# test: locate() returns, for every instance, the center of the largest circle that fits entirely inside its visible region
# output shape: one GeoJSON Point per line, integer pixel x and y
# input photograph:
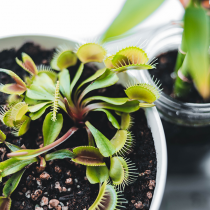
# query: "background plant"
{"type": "Point", "coordinates": [193, 61]}
{"type": "Point", "coordinates": [45, 88]}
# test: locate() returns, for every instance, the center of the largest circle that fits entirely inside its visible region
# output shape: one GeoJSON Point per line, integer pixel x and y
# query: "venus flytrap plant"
{"type": "Point", "coordinates": [57, 90]}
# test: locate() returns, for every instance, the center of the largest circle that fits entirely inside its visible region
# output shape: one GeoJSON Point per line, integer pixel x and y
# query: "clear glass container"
{"type": "Point", "coordinates": [187, 114]}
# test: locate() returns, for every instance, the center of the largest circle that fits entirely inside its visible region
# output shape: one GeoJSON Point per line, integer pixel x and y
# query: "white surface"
{"type": "Point", "coordinates": [75, 19]}
{"type": "Point", "coordinates": [151, 114]}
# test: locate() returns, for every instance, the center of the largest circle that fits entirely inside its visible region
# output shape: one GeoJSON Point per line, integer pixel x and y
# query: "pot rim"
{"type": "Point", "coordinates": [152, 116]}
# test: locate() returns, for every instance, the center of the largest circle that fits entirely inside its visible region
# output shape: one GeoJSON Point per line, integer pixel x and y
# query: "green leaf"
{"type": "Point", "coordinates": [37, 107]}
{"type": "Point", "coordinates": [38, 93]}
{"type": "Point", "coordinates": [77, 76]}
{"type": "Point", "coordinates": [97, 174]}
{"type": "Point", "coordinates": [110, 117]}
{"type": "Point", "coordinates": [38, 114]}
{"type": "Point", "coordinates": [12, 89]}
{"type": "Point", "coordinates": [27, 64]}
{"type": "Point", "coordinates": [105, 146]}
{"type": "Point", "coordinates": [22, 126]}
{"type": "Point", "coordinates": [63, 59]}
{"type": "Point", "coordinates": [12, 183]}
{"type": "Point", "coordinates": [12, 147]}
{"type": "Point", "coordinates": [8, 119]}
{"type": "Point", "coordinates": [91, 52]}
{"type": "Point", "coordinates": [44, 82]}
{"type": "Point", "coordinates": [108, 199]}
{"type": "Point", "coordinates": [88, 155]}
{"type": "Point", "coordinates": [13, 165]}
{"type": "Point", "coordinates": [143, 92]}
{"type": "Point", "coordinates": [46, 70]}
{"type": "Point", "coordinates": [97, 74]}
{"type": "Point", "coordinates": [128, 107]}
{"type": "Point", "coordinates": [117, 172]}
{"type": "Point", "coordinates": [107, 79]}
{"type": "Point", "coordinates": [19, 110]}
{"type": "Point", "coordinates": [119, 140]}
{"type": "Point", "coordinates": [196, 32]}
{"type": "Point", "coordinates": [30, 101]}
{"type": "Point", "coordinates": [2, 137]}
{"type": "Point", "coordinates": [125, 121]}
{"type": "Point", "coordinates": [64, 78]}
{"type": "Point", "coordinates": [115, 101]}
{"type": "Point", "coordinates": [60, 154]}
{"type": "Point", "coordinates": [17, 88]}
{"type": "Point", "coordinates": [5, 203]}
{"type": "Point", "coordinates": [51, 129]}
{"type": "Point", "coordinates": [132, 13]}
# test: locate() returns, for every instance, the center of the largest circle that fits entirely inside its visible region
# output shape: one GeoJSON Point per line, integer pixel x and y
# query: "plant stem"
{"type": "Point", "coordinates": [40, 151]}
{"type": "Point", "coordinates": [182, 87]}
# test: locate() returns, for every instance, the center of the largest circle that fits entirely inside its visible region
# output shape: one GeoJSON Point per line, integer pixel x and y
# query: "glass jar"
{"type": "Point", "coordinates": [172, 110]}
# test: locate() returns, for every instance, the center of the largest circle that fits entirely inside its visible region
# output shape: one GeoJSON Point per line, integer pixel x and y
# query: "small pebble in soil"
{"type": "Point", "coordinates": [151, 184]}
{"type": "Point", "coordinates": [53, 203]}
{"type": "Point", "coordinates": [38, 208]}
{"type": "Point", "coordinates": [58, 169]}
{"type": "Point", "coordinates": [44, 175]}
{"type": "Point", "coordinates": [149, 195]}
{"type": "Point", "coordinates": [28, 194]}
{"type": "Point", "coordinates": [44, 201]}
{"type": "Point", "coordinates": [69, 181]}
{"type": "Point", "coordinates": [36, 194]}
{"type": "Point", "coordinates": [58, 186]}
{"type": "Point", "coordinates": [38, 181]}
{"type": "Point", "coordinates": [68, 173]}
{"type": "Point", "coordinates": [139, 205]}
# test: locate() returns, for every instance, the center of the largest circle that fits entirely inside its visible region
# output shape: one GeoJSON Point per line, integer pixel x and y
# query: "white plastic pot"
{"type": "Point", "coordinates": [152, 116]}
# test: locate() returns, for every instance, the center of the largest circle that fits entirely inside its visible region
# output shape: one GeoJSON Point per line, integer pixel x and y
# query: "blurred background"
{"type": "Point", "coordinates": [188, 181]}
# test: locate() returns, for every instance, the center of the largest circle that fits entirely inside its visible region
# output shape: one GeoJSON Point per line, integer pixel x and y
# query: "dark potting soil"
{"type": "Point", "coordinates": [164, 72]}
{"type": "Point", "coordinates": [63, 180]}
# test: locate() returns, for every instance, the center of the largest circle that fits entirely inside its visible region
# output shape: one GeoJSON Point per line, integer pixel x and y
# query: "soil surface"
{"type": "Point", "coordinates": [63, 184]}
{"type": "Point", "coordinates": [164, 72]}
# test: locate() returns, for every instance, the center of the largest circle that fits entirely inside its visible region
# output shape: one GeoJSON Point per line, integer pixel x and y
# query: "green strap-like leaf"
{"type": "Point", "coordinates": [77, 76]}
{"type": "Point", "coordinates": [75, 80]}
{"type": "Point", "coordinates": [110, 117]}
{"type": "Point", "coordinates": [60, 154]}
{"type": "Point", "coordinates": [128, 107]}
{"type": "Point", "coordinates": [93, 77]}
{"type": "Point", "coordinates": [12, 183]}
{"type": "Point", "coordinates": [105, 146]}
{"type": "Point", "coordinates": [51, 129]}
{"type": "Point", "coordinates": [97, 174]}
{"type": "Point", "coordinates": [107, 79]}
{"type": "Point", "coordinates": [5, 203]}
{"type": "Point", "coordinates": [38, 114]}
{"type": "Point", "coordinates": [64, 78]}
{"type": "Point", "coordinates": [13, 165]}
{"type": "Point", "coordinates": [37, 107]}
{"type": "Point", "coordinates": [132, 13]}
{"type": "Point", "coordinates": [115, 101]}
